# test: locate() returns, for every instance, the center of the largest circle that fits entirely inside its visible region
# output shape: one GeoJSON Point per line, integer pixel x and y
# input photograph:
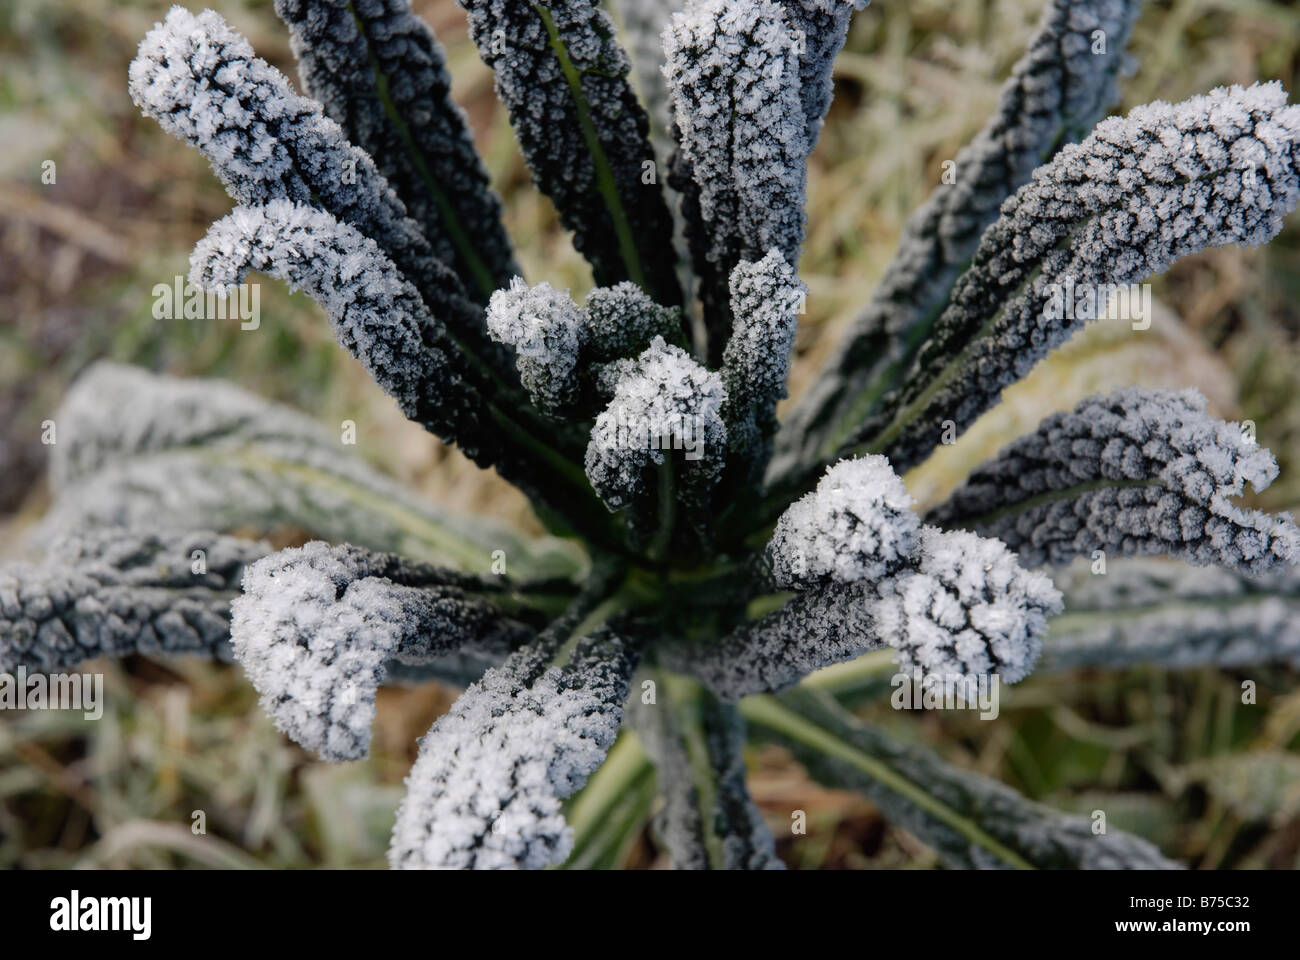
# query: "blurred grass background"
{"type": "Point", "coordinates": [1174, 757]}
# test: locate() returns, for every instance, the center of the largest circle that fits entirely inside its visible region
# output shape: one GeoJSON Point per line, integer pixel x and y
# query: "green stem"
{"type": "Point", "coordinates": [604, 595]}
{"type": "Point", "coordinates": [867, 673]}
{"type": "Point", "coordinates": [610, 811]}
{"type": "Point", "coordinates": [437, 541]}
{"type": "Point", "coordinates": [684, 700]}
{"type": "Point", "coordinates": [663, 537]}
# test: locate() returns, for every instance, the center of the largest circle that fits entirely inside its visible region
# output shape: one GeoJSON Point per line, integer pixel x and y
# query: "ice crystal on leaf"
{"type": "Point", "coordinates": [1139, 472]}
{"type": "Point", "coordinates": [486, 788]}
{"type": "Point", "coordinates": [316, 625]}
{"type": "Point", "coordinates": [663, 402]}
{"type": "Point", "coordinates": [114, 592]}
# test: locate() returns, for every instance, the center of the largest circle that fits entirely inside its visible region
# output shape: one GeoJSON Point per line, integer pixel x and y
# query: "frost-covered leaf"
{"type": "Point", "coordinates": [1057, 91]}
{"type": "Point", "coordinates": [765, 300]}
{"type": "Point", "coordinates": [376, 314]}
{"type": "Point", "coordinates": [1138, 194]}
{"type": "Point", "coordinates": [138, 449]}
{"type": "Point", "coordinates": [622, 321]}
{"type": "Point", "coordinates": [663, 402]}
{"type": "Point", "coordinates": [970, 821]}
{"type": "Point", "coordinates": [709, 820]}
{"type": "Point", "coordinates": [563, 79]}
{"type": "Point", "coordinates": [561, 348]}
{"type": "Point", "coordinates": [547, 330]}
{"type": "Point", "coordinates": [203, 84]}
{"type": "Point", "coordinates": [733, 75]}
{"type": "Point", "coordinates": [380, 73]}
{"type": "Point", "coordinates": [823, 26]}
{"type": "Point", "coordinates": [962, 606]}
{"type": "Point", "coordinates": [643, 23]}
{"type": "Point", "coordinates": [858, 525]}
{"type": "Point", "coordinates": [1138, 472]}
{"type": "Point", "coordinates": [317, 624]}
{"type": "Point", "coordinates": [950, 602]}
{"type": "Point", "coordinates": [114, 592]}
{"type": "Point", "coordinates": [486, 788]}
{"type": "Point", "coordinates": [380, 319]}
{"type": "Point", "coordinates": [1167, 614]}
{"type": "Point", "coordinates": [1103, 357]}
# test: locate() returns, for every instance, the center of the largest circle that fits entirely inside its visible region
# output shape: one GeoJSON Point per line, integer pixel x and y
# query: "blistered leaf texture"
{"type": "Point", "coordinates": [663, 401]}
{"type": "Point", "coordinates": [1138, 194]}
{"type": "Point", "coordinates": [709, 820]}
{"type": "Point", "coordinates": [563, 79]}
{"type": "Point", "coordinates": [1139, 472]}
{"type": "Point", "coordinates": [1165, 613]}
{"type": "Point", "coordinates": [203, 84]}
{"type": "Point", "coordinates": [766, 297]}
{"type": "Point", "coordinates": [316, 625]}
{"type": "Point", "coordinates": [380, 73]}
{"type": "Point", "coordinates": [1064, 83]}
{"type": "Point", "coordinates": [376, 314]}
{"type": "Point", "coordinates": [486, 788]}
{"type": "Point", "coordinates": [547, 330]}
{"type": "Point", "coordinates": [866, 575]}
{"type": "Point", "coordinates": [733, 75]}
{"type": "Point", "coordinates": [141, 450]}
{"type": "Point", "coordinates": [999, 827]}
{"type": "Point", "coordinates": [117, 591]}
{"type": "Point", "coordinates": [858, 525]}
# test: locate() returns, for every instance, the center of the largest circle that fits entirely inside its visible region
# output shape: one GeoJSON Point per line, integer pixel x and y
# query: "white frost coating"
{"type": "Point", "coordinates": [485, 791]}
{"type": "Point", "coordinates": [141, 450]}
{"type": "Point", "coordinates": [1137, 472]}
{"type": "Point", "coordinates": [554, 339]}
{"type": "Point", "coordinates": [622, 320]}
{"type": "Point", "coordinates": [1056, 93]}
{"type": "Point", "coordinates": [202, 82]}
{"type": "Point", "coordinates": [961, 605]}
{"type": "Point", "coordinates": [765, 301]}
{"type": "Point", "coordinates": [1031, 832]}
{"type": "Point", "coordinates": [733, 75]}
{"type": "Point", "coordinates": [662, 400]}
{"type": "Point", "coordinates": [815, 628]}
{"type": "Point", "coordinates": [523, 43]}
{"type": "Point", "coordinates": [114, 412]}
{"type": "Point", "coordinates": [376, 314]}
{"type": "Point", "coordinates": [117, 591]}
{"type": "Point", "coordinates": [1163, 612]}
{"type": "Point", "coordinates": [967, 609]}
{"type": "Point", "coordinates": [858, 525]}
{"type": "Point", "coordinates": [824, 25]}
{"type": "Point", "coordinates": [353, 52]}
{"type": "Point", "coordinates": [643, 24]}
{"type": "Point", "coordinates": [1141, 192]}
{"type": "Point", "coordinates": [547, 330]}
{"type": "Point", "coordinates": [316, 625]}
{"type": "Point", "coordinates": [707, 798]}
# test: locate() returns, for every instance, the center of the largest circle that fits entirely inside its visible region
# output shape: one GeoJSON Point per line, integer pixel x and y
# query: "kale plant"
{"type": "Point", "coordinates": [703, 559]}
